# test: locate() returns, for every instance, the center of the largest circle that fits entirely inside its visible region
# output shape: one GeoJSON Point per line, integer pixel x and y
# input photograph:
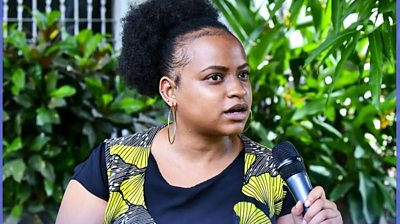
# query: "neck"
{"type": "Point", "coordinates": [194, 146]}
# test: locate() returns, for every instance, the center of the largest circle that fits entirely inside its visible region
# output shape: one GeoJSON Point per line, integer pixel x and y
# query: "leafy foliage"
{"type": "Point", "coordinates": [324, 78]}
{"type": "Point", "coordinates": [62, 97]}
{"type": "Point", "coordinates": [320, 79]}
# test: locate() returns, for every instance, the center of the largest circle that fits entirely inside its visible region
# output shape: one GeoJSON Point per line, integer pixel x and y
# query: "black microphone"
{"type": "Point", "coordinates": [291, 167]}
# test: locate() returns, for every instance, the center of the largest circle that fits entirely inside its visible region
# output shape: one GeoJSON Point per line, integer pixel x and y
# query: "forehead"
{"type": "Point", "coordinates": [222, 50]}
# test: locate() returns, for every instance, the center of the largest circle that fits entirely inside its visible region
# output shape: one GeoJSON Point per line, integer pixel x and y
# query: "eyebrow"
{"type": "Point", "coordinates": [223, 68]}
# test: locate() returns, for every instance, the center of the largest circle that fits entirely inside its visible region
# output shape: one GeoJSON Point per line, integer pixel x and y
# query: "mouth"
{"type": "Point", "coordinates": [238, 108]}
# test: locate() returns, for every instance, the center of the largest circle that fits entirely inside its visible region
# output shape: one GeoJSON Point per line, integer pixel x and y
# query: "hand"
{"type": "Point", "coordinates": [320, 209]}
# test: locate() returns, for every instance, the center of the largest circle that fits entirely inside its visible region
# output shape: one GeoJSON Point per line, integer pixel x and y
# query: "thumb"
{"type": "Point", "coordinates": [297, 213]}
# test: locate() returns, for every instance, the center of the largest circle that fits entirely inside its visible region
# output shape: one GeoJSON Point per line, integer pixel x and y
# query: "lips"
{"type": "Point", "coordinates": [237, 112]}
{"type": "Point", "coordinates": [238, 108]}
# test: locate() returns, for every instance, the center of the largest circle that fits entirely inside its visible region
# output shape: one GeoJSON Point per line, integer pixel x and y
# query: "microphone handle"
{"type": "Point", "coordinates": [299, 185]}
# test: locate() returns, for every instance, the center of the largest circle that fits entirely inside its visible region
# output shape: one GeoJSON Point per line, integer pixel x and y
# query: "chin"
{"type": "Point", "coordinates": [231, 130]}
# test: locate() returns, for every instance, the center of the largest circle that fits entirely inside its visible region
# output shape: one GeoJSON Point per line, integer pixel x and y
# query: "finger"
{"type": "Point", "coordinates": [327, 216]}
{"type": "Point", "coordinates": [337, 220]}
{"type": "Point", "coordinates": [316, 193]}
{"type": "Point", "coordinates": [297, 212]}
{"type": "Point", "coordinates": [318, 206]}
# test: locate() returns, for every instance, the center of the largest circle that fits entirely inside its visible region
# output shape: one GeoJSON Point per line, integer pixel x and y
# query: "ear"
{"type": "Point", "coordinates": [167, 90]}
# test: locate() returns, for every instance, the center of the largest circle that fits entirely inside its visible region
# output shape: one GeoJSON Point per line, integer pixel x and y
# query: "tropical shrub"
{"type": "Point", "coordinates": [324, 78]}
{"type": "Point", "coordinates": [62, 97]}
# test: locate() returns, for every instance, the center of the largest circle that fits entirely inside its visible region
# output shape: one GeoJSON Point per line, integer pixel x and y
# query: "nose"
{"type": "Point", "coordinates": [236, 88]}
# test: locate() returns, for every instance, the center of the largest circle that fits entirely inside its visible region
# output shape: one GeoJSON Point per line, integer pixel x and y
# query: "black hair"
{"type": "Point", "coordinates": [154, 35]}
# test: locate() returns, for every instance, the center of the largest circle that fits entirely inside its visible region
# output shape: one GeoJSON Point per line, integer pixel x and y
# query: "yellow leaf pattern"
{"type": "Point", "coordinates": [133, 189]}
{"type": "Point", "coordinates": [250, 214]}
{"type": "Point", "coordinates": [132, 155]}
{"type": "Point", "coordinates": [267, 190]}
{"type": "Point", "coordinates": [116, 206]}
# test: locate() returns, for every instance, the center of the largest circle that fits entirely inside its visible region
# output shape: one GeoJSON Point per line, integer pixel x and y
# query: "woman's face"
{"type": "Point", "coordinates": [214, 93]}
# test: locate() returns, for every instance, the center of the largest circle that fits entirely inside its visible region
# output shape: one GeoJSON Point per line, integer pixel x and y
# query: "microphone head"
{"type": "Point", "coordinates": [287, 159]}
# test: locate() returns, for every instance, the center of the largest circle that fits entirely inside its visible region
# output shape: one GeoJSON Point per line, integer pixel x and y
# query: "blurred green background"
{"type": "Point", "coordinates": [323, 75]}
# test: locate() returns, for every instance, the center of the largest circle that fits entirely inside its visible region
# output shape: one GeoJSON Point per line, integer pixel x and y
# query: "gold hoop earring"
{"type": "Point", "coordinates": [248, 126]}
{"type": "Point", "coordinates": [169, 121]}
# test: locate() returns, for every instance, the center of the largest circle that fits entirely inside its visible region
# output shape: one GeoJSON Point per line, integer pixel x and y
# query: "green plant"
{"type": "Point", "coordinates": [62, 97]}
{"type": "Point", "coordinates": [324, 78]}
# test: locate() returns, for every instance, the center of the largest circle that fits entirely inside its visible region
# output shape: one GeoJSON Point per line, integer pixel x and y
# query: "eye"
{"type": "Point", "coordinates": [244, 75]}
{"type": "Point", "coordinates": [215, 77]}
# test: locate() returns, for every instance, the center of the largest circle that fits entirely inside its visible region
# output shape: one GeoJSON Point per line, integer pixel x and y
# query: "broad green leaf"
{"type": "Point", "coordinates": [328, 127]}
{"type": "Point", "coordinates": [56, 102]}
{"type": "Point", "coordinates": [6, 117]}
{"type": "Point", "coordinates": [107, 98]}
{"type": "Point", "coordinates": [370, 206]}
{"type": "Point", "coordinates": [18, 79]}
{"type": "Point", "coordinates": [40, 141]}
{"type": "Point", "coordinates": [15, 168]}
{"type": "Point", "coordinates": [129, 105]}
{"type": "Point", "coordinates": [335, 39]}
{"type": "Point", "coordinates": [43, 116]}
{"type": "Point", "coordinates": [44, 168]}
{"type": "Point", "coordinates": [24, 100]}
{"type": "Point", "coordinates": [55, 117]}
{"type": "Point", "coordinates": [261, 132]}
{"type": "Point", "coordinates": [350, 47]}
{"type": "Point", "coordinates": [337, 12]}
{"type": "Point", "coordinates": [294, 10]}
{"type": "Point", "coordinates": [68, 46]}
{"type": "Point", "coordinates": [316, 11]}
{"type": "Point", "coordinates": [46, 117]}
{"type": "Point", "coordinates": [366, 113]}
{"type": "Point", "coordinates": [94, 85]}
{"type": "Point", "coordinates": [391, 160]}
{"type": "Point", "coordinates": [18, 39]}
{"type": "Point", "coordinates": [263, 45]}
{"type": "Point", "coordinates": [296, 131]}
{"type": "Point", "coordinates": [83, 36]}
{"type": "Point", "coordinates": [52, 151]}
{"type": "Point", "coordinates": [49, 173]}
{"type": "Point", "coordinates": [48, 187]}
{"type": "Point", "coordinates": [310, 108]}
{"type": "Point", "coordinates": [89, 132]}
{"type": "Point", "coordinates": [36, 208]}
{"type": "Point", "coordinates": [355, 208]}
{"type": "Point", "coordinates": [225, 9]}
{"type": "Point", "coordinates": [92, 44]}
{"type": "Point", "coordinates": [120, 118]}
{"type": "Point", "coordinates": [340, 190]}
{"type": "Point", "coordinates": [51, 79]}
{"type": "Point", "coordinates": [384, 190]}
{"type": "Point", "coordinates": [40, 19]}
{"type": "Point", "coordinates": [375, 47]}
{"type": "Point", "coordinates": [52, 17]}
{"type": "Point", "coordinates": [15, 145]}
{"type": "Point", "coordinates": [326, 19]}
{"type": "Point", "coordinates": [321, 170]}
{"type": "Point", "coordinates": [63, 91]}
{"type": "Point", "coordinates": [17, 210]}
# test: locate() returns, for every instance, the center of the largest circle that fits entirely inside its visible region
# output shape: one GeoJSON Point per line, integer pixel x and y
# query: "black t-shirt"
{"type": "Point", "coordinates": [211, 201]}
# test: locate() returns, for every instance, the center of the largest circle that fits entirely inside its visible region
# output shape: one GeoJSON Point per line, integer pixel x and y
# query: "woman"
{"type": "Point", "coordinates": [199, 168]}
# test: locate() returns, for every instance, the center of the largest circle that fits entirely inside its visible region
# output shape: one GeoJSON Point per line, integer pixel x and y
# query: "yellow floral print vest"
{"type": "Point", "coordinates": [126, 160]}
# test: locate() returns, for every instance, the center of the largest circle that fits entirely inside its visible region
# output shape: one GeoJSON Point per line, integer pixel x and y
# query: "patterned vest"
{"type": "Point", "coordinates": [126, 160]}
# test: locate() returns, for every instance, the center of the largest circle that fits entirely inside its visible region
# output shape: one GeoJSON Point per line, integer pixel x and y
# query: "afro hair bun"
{"type": "Point", "coordinates": [145, 28]}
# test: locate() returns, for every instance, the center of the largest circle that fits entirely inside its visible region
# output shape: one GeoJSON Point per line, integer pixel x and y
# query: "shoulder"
{"type": "Point", "coordinates": [142, 139]}
{"type": "Point", "coordinates": [254, 147]}
{"type": "Point", "coordinates": [258, 159]}
{"type": "Point", "coordinates": [130, 150]}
